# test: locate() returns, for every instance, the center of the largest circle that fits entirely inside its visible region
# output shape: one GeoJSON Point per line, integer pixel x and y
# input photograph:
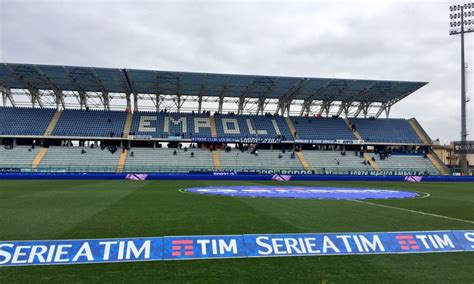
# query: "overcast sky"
{"type": "Point", "coordinates": [379, 40]}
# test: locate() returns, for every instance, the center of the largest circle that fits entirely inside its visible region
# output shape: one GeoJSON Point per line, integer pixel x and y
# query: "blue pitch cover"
{"type": "Point", "coordinates": [304, 192]}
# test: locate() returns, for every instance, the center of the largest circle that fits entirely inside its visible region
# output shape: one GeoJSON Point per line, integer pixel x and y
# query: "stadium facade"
{"type": "Point", "coordinates": [72, 124]}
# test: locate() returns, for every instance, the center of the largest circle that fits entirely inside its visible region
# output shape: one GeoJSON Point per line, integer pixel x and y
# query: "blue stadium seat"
{"type": "Point", "coordinates": [165, 125]}
{"type": "Point", "coordinates": [322, 128]}
{"type": "Point", "coordinates": [91, 123]}
{"type": "Point", "coordinates": [24, 121]}
{"type": "Point", "coordinates": [386, 130]}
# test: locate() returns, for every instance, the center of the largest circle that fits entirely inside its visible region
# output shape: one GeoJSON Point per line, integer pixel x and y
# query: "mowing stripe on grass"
{"type": "Point", "coordinates": [414, 211]}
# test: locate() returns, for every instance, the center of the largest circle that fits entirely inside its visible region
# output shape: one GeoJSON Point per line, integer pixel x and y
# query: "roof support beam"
{"type": "Point", "coordinates": [35, 97]}
{"type": "Point", "coordinates": [241, 105]}
{"type": "Point", "coordinates": [364, 108]}
{"type": "Point", "coordinates": [7, 94]}
{"type": "Point", "coordinates": [199, 104]}
{"type": "Point", "coordinates": [288, 96]}
{"type": "Point", "coordinates": [261, 105]}
{"type": "Point", "coordinates": [221, 104]}
{"type": "Point", "coordinates": [309, 100]}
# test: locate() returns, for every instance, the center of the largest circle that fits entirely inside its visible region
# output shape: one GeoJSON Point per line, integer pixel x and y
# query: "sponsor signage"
{"type": "Point", "coordinates": [55, 252]}
{"type": "Point", "coordinates": [466, 147]}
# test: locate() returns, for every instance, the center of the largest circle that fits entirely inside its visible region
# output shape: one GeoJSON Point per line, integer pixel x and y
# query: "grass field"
{"type": "Point", "coordinates": [40, 210]}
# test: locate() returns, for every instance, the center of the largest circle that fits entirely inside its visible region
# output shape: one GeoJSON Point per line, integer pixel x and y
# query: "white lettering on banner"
{"type": "Point", "coordinates": [4, 254]}
{"type": "Point", "coordinates": [234, 129]}
{"type": "Point", "coordinates": [145, 124]}
{"type": "Point", "coordinates": [470, 237]}
{"type": "Point", "coordinates": [18, 254]}
{"type": "Point", "coordinates": [131, 248]}
{"type": "Point", "coordinates": [218, 247]}
{"type": "Point", "coordinates": [60, 253]}
{"type": "Point", "coordinates": [38, 254]}
{"type": "Point", "coordinates": [107, 245]}
{"type": "Point", "coordinates": [181, 120]}
{"type": "Point", "coordinates": [201, 122]}
{"type": "Point", "coordinates": [252, 130]}
{"type": "Point", "coordinates": [85, 250]}
{"type": "Point", "coordinates": [275, 126]}
{"type": "Point", "coordinates": [435, 241]}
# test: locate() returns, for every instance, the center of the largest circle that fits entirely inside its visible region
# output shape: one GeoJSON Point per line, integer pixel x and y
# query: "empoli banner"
{"type": "Point", "coordinates": [19, 253]}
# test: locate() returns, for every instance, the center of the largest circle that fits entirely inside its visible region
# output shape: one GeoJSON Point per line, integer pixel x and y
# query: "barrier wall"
{"type": "Point", "coordinates": [220, 176]}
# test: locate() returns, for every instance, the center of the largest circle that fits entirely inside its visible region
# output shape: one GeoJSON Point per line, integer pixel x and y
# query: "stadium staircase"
{"type": "Point", "coordinates": [303, 161]}
{"type": "Point", "coordinates": [437, 163]}
{"type": "Point", "coordinates": [121, 161]}
{"type": "Point", "coordinates": [420, 131]}
{"type": "Point", "coordinates": [37, 161]}
{"type": "Point", "coordinates": [52, 123]}
{"type": "Point", "coordinates": [291, 127]}
{"type": "Point", "coordinates": [18, 157]}
{"type": "Point", "coordinates": [432, 156]}
{"type": "Point", "coordinates": [373, 164]}
{"type": "Point", "coordinates": [408, 162]}
{"type": "Point", "coordinates": [127, 125]}
{"type": "Point", "coordinates": [212, 122]}
{"type": "Point", "coordinates": [216, 160]}
{"type": "Point", "coordinates": [356, 133]}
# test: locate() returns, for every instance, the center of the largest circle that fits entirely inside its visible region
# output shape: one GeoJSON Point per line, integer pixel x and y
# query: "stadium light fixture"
{"type": "Point", "coordinates": [462, 22]}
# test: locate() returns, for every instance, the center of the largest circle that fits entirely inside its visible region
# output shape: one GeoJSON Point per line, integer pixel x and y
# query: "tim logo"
{"type": "Point", "coordinates": [407, 242]}
{"type": "Point", "coordinates": [425, 242]}
{"type": "Point", "coordinates": [182, 247]}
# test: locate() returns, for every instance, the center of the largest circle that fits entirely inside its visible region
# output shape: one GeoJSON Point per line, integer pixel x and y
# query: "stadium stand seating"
{"type": "Point", "coordinates": [73, 159]}
{"type": "Point", "coordinates": [386, 130]}
{"type": "Point", "coordinates": [18, 157]}
{"type": "Point", "coordinates": [251, 126]}
{"type": "Point", "coordinates": [405, 162]}
{"type": "Point", "coordinates": [265, 160]}
{"type": "Point", "coordinates": [164, 159]}
{"type": "Point", "coordinates": [164, 125]}
{"type": "Point", "coordinates": [99, 123]}
{"type": "Point", "coordinates": [322, 128]}
{"type": "Point", "coordinates": [24, 121]}
{"type": "Point", "coordinates": [92, 123]}
{"type": "Point", "coordinates": [334, 161]}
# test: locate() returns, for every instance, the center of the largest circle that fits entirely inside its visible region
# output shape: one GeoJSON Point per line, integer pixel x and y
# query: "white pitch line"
{"type": "Point", "coordinates": [414, 211]}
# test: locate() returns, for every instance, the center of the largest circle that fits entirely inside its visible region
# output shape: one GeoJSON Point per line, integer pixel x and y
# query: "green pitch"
{"type": "Point", "coordinates": [40, 210]}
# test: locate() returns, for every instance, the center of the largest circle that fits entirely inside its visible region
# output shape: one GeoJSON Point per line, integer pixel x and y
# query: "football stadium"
{"type": "Point", "coordinates": [124, 174]}
{"type": "Point", "coordinates": [107, 187]}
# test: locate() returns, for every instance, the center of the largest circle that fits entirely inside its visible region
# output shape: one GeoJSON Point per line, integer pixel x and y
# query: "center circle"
{"type": "Point", "coordinates": [303, 192]}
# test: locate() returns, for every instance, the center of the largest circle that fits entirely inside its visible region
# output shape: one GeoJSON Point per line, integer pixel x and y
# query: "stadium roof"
{"type": "Point", "coordinates": [131, 81]}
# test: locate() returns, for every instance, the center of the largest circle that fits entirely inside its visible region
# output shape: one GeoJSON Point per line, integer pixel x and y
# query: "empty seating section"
{"type": "Point", "coordinates": [99, 123]}
{"type": "Point", "coordinates": [334, 161]}
{"type": "Point", "coordinates": [164, 125]}
{"type": "Point", "coordinates": [265, 160]}
{"type": "Point", "coordinates": [24, 121]}
{"type": "Point", "coordinates": [248, 126]}
{"type": "Point", "coordinates": [164, 160]}
{"type": "Point", "coordinates": [402, 163]}
{"type": "Point", "coordinates": [322, 128]}
{"type": "Point", "coordinates": [92, 123]}
{"type": "Point", "coordinates": [72, 159]}
{"type": "Point", "coordinates": [273, 125]}
{"type": "Point", "coordinates": [386, 130]}
{"type": "Point", "coordinates": [18, 157]}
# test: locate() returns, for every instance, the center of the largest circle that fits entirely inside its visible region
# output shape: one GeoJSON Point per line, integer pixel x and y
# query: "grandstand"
{"type": "Point", "coordinates": [344, 134]}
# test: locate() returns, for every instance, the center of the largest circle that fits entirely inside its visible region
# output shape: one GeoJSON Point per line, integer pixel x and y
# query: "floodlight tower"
{"type": "Point", "coordinates": [461, 22]}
